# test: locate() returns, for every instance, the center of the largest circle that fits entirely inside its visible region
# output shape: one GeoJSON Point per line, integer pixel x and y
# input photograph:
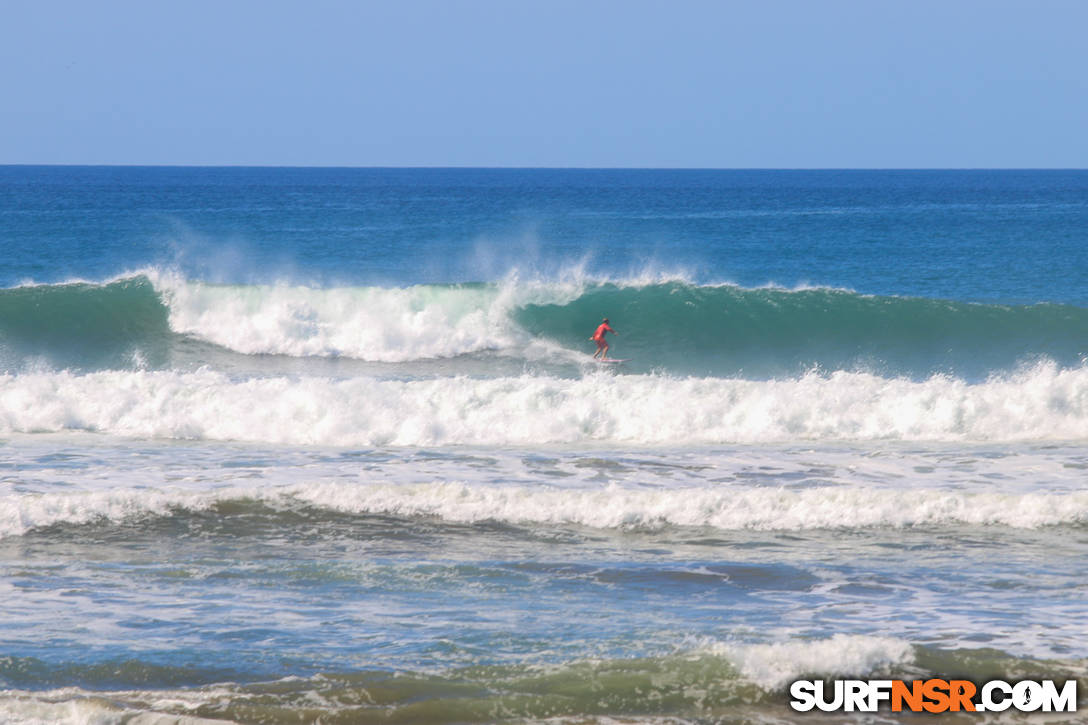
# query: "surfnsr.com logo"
{"type": "Point", "coordinates": [933, 695]}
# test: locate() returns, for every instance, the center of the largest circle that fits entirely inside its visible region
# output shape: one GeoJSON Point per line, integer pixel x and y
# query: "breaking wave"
{"type": "Point", "coordinates": [665, 324]}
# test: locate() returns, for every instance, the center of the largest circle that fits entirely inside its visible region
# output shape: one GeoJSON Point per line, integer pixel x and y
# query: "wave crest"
{"type": "Point", "coordinates": [665, 324]}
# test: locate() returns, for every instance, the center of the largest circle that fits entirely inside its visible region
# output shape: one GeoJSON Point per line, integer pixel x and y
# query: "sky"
{"type": "Point", "coordinates": [555, 83]}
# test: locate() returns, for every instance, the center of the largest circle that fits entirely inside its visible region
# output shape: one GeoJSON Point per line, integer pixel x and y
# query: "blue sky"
{"type": "Point", "coordinates": [765, 84]}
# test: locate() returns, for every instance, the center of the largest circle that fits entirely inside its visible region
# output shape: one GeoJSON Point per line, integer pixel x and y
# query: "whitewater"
{"type": "Point", "coordinates": [338, 451]}
{"type": "Point", "coordinates": [1041, 404]}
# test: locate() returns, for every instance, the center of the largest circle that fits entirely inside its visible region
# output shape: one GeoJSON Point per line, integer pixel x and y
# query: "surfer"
{"type": "Point", "coordinates": [598, 337]}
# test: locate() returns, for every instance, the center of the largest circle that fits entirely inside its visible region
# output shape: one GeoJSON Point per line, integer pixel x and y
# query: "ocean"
{"type": "Point", "coordinates": [328, 445]}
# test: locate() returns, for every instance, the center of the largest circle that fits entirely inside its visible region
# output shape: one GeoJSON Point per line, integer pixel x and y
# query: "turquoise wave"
{"type": "Point", "coordinates": [727, 330]}
{"type": "Point", "coordinates": [83, 325]}
{"type": "Point", "coordinates": [674, 327]}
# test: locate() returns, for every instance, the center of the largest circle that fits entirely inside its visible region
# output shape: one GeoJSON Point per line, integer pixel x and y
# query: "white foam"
{"type": "Point", "coordinates": [368, 323]}
{"type": "Point", "coordinates": [24, 512]}
{"type": "Point", "coordinates": [74, 706]}
{"type": "Point", "coordinates": [722, 507]}
{"type": "Point", "coordinates": [773, 666]}
{"type": "Point", "coordinates": [69, 707]}
{"type": "Point", "coordinates": [608, 507]}
{"type": "Point", "coordinates": [380, 324]}
{"type": "Point", "coordinates": [1042, 404]}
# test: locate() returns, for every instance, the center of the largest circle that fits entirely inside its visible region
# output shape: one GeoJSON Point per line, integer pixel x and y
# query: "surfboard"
{"type": "Point", "coordinates": [614, 360]}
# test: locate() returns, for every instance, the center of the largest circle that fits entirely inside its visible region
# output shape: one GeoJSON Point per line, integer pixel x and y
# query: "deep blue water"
{"type": "Point", "coordinates": [1008, 236]}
